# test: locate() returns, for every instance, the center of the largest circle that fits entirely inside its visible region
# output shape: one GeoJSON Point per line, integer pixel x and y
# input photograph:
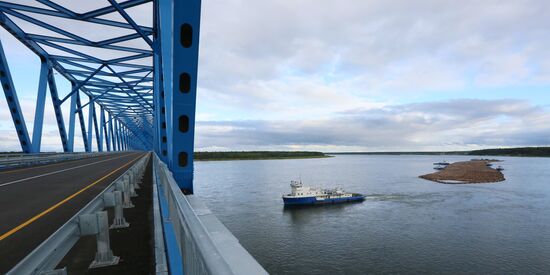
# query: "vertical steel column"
{"type": "Point", "coordinates": [160, 141]}
{"type": "Point", "coordinates": [111, 134]}
{"type": "Point", "coordinates": [116, 137]}
{"type": "Point", "coordinates": [166, 28]}
{"type": "Point", "coordinates": [102, 130]}
{"type": "Point", "coordinates": [90, 121]}
{"type": "Point", "coordinates": [40, 104]}
{"type": "Point", "coordinates": [82, 125]}
{"type": "Point", "coordinates": [96, 129]}
{"type": "Point", "coordinates": [125, 139]}
{"type": "Point", "coordinates": [181, 118]}
{"type": "Point", "coordinates": [156, 51]}
{"type": "Point", "coordinates": [121, 135]}
{"type": "Point", "coordinates": [13, 103]}
{"type": "Point", "coordinates": [108, 133]}
{"type": "Point", "coordinates": [72, 111]}
{"type": "Point", "coordinates": [120, 139]}
{"type": "Point", "coordinates": [57, 108]}
{"type": "Point", "coordinates": [117, 134]}
{"type": "Point", "coordinates": [167, 37]}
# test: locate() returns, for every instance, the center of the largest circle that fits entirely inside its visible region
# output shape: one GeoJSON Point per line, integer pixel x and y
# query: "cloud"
{"type": "Point", "coordinates": [444, 125]}
{"type": "Point", "coordinates": [343, 76]}
{"type": "Point", "coordinates": [273, 58]}
{"type": "Point", "coordinates": [366, 36]}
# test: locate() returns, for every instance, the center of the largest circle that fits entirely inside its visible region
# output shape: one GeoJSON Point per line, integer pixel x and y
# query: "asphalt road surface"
{"type": "Point", "coordinates": [36, 201]}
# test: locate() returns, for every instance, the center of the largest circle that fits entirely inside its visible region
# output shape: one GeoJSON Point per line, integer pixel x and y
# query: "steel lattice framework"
{"type": "Point", "coordinates": [139, 80]}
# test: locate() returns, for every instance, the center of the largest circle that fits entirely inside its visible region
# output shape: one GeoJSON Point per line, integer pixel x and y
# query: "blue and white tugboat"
{"type": "Point", "coordinates": [303, 195]}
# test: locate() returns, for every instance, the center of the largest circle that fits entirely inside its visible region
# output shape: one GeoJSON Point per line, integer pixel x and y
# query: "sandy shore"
{"type": "Point", "coordinates": [475, 171]}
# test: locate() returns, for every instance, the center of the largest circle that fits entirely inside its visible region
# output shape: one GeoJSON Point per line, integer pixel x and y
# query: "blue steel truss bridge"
{"type": "Point", "coordinates": [125, 204]}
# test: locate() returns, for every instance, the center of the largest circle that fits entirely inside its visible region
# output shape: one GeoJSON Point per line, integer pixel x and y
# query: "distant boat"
{"type": "Point", "coordinates": [303, 195]}
{"type": "Point", "coordinates": [441, 165]}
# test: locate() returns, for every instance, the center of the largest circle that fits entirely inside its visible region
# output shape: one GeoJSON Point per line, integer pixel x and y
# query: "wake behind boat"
{"type": "Point", "coordinates": [304, 195]}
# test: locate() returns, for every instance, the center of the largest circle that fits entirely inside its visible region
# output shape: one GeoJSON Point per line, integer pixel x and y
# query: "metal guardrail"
{"type": "Point", "coordinates": [206, 246]}
{"type": "Point", "coordinates": [88, 221]}
{"type": "Point", "coordinates": [9, 161]}
{"type": "Point", "coordinates": [161, 264]}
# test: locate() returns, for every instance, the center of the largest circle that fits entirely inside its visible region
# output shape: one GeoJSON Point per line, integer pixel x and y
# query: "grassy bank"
{"type": "Point", "coordinates": [514, 152]}
{"type": "Point", "coordinates": [403, 153]}
{"type": "Point", "coordinates": [256, 155]}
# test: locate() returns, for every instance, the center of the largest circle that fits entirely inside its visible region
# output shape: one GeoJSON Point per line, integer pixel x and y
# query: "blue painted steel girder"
{"type": "Point", "coordinates": [148, 92]}
{"type": "Point", "coordinates": [40, 104]}
{"type": "Point", "coordinates": [57, 109]}
{"type": "Point", "coordinates": [13, 103]}
{"type": "Point", "coordinates": [180, 63]}
{"type": "Point", "coordinates": [82, 125]}
{"type": "Point", "coordinates": [87, 75]}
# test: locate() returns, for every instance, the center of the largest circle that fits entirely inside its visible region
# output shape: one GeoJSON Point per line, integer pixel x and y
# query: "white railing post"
{"type": "Point", "coordinates": [126, 202]}
{"type": "Point", "coordinates": [46, 257]}
{"type": "Point", "coordinates": [119, 221]}
{"type": "Point", "coordinates": [98, 224]}
{"type": "Point", "coordinates": [128, 179]}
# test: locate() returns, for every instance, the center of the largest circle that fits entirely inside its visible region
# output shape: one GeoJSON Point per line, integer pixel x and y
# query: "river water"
{"type": "Point", "coordinates": [406, 224]}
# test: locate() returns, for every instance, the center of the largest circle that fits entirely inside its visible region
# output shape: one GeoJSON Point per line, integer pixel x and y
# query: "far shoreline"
{"type": "Point", "coordinates": [275, 158]}
{"type": "Point", "coordinates": [257, 155]}
{"type": "Point", "coordinates": [534, 152]}
{"type": "Point", "coordinates": [542, 152]}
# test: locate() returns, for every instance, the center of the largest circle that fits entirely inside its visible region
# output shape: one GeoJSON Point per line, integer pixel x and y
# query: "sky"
{"type": "Point", "coordinates": [355, 75]}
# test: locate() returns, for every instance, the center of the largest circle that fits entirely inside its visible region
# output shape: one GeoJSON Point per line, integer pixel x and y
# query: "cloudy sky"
{"type": "Point", "coordinates": [355, 75]}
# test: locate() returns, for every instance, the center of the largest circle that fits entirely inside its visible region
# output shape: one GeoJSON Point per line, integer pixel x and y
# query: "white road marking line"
{"type": "Point", "coordinates": [58, 171]}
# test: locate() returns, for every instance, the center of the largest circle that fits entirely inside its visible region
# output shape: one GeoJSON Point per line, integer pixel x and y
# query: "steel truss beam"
{"type": "Point", "coordinates": [103, 77]}
{"type": "Point", "coordinates": [145, 96]}
{"type": "Point", "coordinates": [182, 19]}
{"type": "Point", "coordinates": [40, 104]}
{"type": "Point", "coordinates": [57, 109]}
{"type": "Point", "coordinates": [13, 103]}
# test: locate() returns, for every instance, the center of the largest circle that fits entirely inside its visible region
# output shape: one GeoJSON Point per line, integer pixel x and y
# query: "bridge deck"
{"type": "Point", "coordinates": [35, 201]}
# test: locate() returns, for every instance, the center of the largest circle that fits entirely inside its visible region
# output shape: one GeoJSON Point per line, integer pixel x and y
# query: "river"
{"type": "Point", "coordinates": [406, 225]}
